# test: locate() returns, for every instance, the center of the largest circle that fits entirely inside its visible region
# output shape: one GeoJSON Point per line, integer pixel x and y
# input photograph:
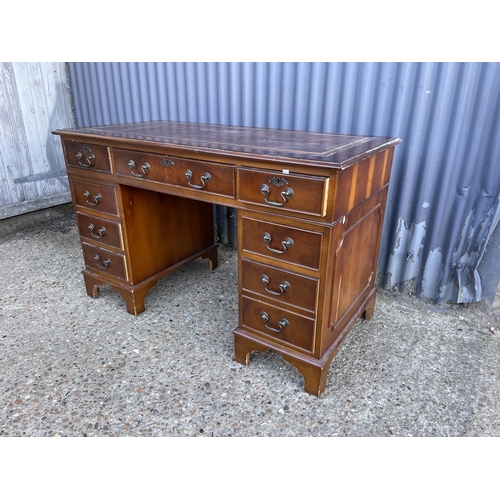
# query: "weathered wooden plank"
{"type": "Point", "coordinates": [34, 100]}
{"type": "Point", "coordinates": [13, 142]}
{"type": "Point", "coordinates": [5, 198]}
{"type": "Point", "coordinates": [33, 108]}
{"type": "Point", "coordinates": [57, 90]}
{"type": "Point", "coordinates": [34, 205]}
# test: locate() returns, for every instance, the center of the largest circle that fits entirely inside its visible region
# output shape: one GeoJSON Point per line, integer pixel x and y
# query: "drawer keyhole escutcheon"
{"type": "Point", "coordinates": [101, 232]}
{"type": "Point", "coordinates": [285, 195]}
{"type": "Point", "coordinates": [283, 286]}
{"type": "Point", "coordinates": [97, 198]}
{"type": "Point", "coordinates": [102, 264]}
{"type": "Point", "coordinates": [86, 161]}
{"type": "Point", "coordinates": [167, 162]}
{"type": "Point", "coordinates": [144, 168]}
{"type": "Point", "coordinates": [206, 177]}
{"type": "Point", "coordinates": [286, 243]}
{"type": "Point", "coordinates": [282, 323]}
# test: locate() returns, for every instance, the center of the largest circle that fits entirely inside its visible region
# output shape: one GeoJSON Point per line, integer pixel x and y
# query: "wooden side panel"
{"type": "Point", "coordinates": [355, 263]}
{"type": "Point", "coordinates": [358, 183]}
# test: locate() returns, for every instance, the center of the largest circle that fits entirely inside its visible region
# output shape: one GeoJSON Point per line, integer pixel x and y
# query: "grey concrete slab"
{"type": "Point", "coordinates": [71, 365]}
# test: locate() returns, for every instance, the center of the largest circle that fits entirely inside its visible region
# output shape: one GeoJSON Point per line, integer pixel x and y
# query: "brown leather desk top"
{"type": "Point", "coordinates": [319, 149]}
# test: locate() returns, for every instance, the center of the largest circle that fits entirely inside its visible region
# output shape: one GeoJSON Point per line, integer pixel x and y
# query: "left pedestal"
{"type": "Point", "coordinates": [131, 237]}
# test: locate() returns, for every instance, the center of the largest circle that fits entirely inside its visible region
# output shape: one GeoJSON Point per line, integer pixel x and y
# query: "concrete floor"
{"type": "Point", "coordinates": [75, 366]}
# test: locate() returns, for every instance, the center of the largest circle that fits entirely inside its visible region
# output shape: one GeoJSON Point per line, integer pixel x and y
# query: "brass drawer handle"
{"type": "Point", "coordinates": [206, 177]}
{"type": "Point", "coordinates": [97, 199]}
{"type": "Point", "coordinates": [282, 323]}
{"type": "Point", "coordinates": [283, 286]}
{"type": "Point", "coordinates": [104, 264]}
{"type": "Point", "coordinates": [286, 243]}
{"type": "Point", "coordinates": [144, 168]}
{"type": "Point", "coordinates": [285, 195]}
{"type": "Point", "coordinates": [85, 161]}
{"type": "Point", "coordinates": [101, 232]}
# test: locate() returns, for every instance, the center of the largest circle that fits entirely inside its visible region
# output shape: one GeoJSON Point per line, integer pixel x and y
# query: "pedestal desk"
{"type": "Point", "coordinates": [310, 211]}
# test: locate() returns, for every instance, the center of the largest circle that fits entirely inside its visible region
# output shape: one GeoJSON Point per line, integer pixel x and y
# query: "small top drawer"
{"type": "Point", "coordinates": [216, 178]}
{"type": "Point", "coordinates": [95, 196]}
{"type": "Point", "coordinates": [88, 156]}
{"type": "Point", "coordinates": [293, 192]}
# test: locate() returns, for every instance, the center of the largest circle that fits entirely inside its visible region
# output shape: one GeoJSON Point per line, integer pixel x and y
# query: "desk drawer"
{"type": "Point", "coordinates": [278, 324]}
{"type": "Point", "coordinates": [292, 192]}
{"type": "Point", "coordinates": [104, 260]}
{"type": "Point", "coordinates": [87, 156]}
{"type": "Point", "coordinates": [284, 243]}
{"type": "Point", "coordinates": [100, 230]}
{"type": "Point", "coordinates": [216, 178]}
{"type": "Point", "coordinates": [95, 196]}
{"type": "Point", "coordinates": [278, 284]}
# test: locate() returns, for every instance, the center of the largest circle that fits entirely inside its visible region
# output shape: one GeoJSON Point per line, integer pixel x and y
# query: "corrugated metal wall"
{"type": "Point", "coordinates": [444, 198]}
{"type": "Point", "coordinates": [34, 100]}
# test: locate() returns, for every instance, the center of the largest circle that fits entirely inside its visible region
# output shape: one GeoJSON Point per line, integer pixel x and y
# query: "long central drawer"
{"type": "Point", "coordinates": [216, 178]}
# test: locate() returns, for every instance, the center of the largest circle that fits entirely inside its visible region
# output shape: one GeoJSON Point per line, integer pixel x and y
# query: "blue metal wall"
{"type": "Point", "coordinates": [443, 201]}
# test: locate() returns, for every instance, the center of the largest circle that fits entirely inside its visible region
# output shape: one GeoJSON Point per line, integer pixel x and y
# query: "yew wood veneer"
{"type": "Point", "coordinates": [310, 213]}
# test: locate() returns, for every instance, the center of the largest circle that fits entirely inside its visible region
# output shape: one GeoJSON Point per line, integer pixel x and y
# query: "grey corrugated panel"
{"type": "Point", "coordinates": [443, 202]}
{"type": "Point", "coordinates": [443, 206]}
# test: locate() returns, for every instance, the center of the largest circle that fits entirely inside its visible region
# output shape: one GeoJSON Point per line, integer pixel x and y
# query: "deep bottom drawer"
{"type": "Point", "coordinates": [104, 260]}
{"type": "Point", "coordinates": [281, 325]}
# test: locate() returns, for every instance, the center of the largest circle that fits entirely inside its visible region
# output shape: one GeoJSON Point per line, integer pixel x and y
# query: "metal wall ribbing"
{"type": "Point", "coordinates": [443, 201]}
